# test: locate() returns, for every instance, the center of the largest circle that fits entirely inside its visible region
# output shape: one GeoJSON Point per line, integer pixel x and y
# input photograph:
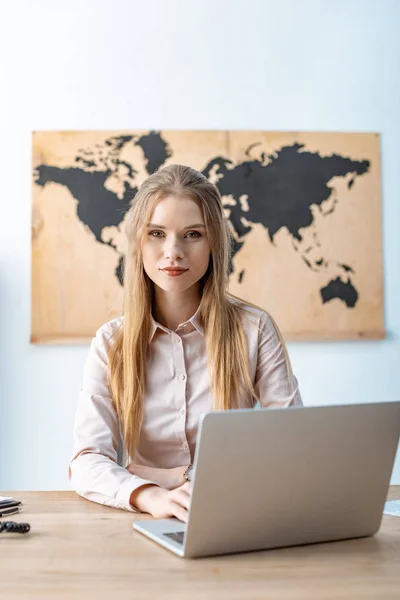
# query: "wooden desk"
{"type": "Point", "coordinates": [81, 550]}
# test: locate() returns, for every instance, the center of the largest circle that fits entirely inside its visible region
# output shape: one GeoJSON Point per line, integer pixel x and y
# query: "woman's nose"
{"type": "Point", "coordinates": [172, 250]}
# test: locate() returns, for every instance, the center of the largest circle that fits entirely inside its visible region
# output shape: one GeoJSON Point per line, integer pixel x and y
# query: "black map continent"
{"type": "Point", "coordinates": [279, 190]}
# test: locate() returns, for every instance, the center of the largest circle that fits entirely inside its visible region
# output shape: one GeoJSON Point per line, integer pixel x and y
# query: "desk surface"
{"type": "Point", "coordinates": [78, 549]}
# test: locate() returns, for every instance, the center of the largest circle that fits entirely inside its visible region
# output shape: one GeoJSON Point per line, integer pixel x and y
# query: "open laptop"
{"type": "Point", "coordinates": [269, 478]}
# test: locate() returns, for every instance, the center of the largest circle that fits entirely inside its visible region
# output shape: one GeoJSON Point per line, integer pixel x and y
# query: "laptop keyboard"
{"type": "Point", "coordinates": [177, 536]}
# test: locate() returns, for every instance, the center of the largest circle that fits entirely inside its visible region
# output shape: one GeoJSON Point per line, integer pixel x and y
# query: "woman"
{"type": "Point", "coordinates": [184, 346]}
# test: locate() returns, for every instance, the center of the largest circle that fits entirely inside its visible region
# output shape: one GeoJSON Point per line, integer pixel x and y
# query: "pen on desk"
{"type": "Point", "coordinates": [9, 511]}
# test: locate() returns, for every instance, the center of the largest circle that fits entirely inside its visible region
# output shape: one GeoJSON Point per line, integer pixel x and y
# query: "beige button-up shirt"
{"type": "Point", "coordinates": [177, 393]}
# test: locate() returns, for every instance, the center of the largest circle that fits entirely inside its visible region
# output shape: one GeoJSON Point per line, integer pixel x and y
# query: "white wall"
{"type": "Point", "coordinates": [248, 64]}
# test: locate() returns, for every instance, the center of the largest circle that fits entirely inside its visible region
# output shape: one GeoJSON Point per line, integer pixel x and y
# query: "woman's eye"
{"type": "Point", "coordinates": [191, 234]}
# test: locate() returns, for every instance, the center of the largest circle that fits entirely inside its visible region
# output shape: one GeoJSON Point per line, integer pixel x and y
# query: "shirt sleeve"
{"type": "Point", "coordinates": [93, 470]}
{"type": "Point", "coordinates": [275, 383]}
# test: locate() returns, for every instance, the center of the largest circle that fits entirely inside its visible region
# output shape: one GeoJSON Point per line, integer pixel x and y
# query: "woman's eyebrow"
{"type": "Point", "coordinates": [162, 226]}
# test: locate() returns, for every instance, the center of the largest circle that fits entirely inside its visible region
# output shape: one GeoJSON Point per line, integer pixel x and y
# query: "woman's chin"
{"type": "Point", "coordinates": [175, 285]}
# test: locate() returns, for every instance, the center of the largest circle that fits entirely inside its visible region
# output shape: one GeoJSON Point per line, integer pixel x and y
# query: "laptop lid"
{"type": "Point", "coordinates": [267, 478]}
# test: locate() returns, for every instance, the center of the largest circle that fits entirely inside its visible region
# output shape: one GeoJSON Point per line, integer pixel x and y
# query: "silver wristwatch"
{"type": "Point", "coordinates": [188, 474]}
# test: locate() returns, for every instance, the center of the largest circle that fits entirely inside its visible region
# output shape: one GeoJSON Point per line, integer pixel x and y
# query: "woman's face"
{"type": "Point", "coordinates": [176, 237]}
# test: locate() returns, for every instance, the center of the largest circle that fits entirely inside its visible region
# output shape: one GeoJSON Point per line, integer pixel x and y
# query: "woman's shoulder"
{"type": "Point", "coordinates": [258, 321]}
{"type": "Point", "coordinates": [105, 333]}
{"type": "Point", "coordinates": [251, 312]}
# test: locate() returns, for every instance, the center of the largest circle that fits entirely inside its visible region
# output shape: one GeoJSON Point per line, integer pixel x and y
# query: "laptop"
{"type": "Point", "coordinates": [269, 478]}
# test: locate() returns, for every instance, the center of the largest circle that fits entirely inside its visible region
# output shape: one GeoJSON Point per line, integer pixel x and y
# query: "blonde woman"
{"type": "Point", "coordinates": [184, 346]}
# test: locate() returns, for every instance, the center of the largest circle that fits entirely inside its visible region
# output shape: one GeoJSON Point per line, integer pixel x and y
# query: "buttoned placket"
{"type": "Point", "coordinates": [181, 376]}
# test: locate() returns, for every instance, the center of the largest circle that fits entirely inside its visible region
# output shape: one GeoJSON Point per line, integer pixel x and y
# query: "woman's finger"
{"type": "Point", "coordinates": [179, 512]}
{"type": "Point", "coordinates": [182, 498]}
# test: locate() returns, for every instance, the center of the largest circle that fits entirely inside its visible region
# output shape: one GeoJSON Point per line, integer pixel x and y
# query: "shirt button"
{"type": "Point", "coordinates": [178, 340]}
{"type": "Point", "coordinates": [182, 376]}
{"type": "Point", "coordinates": [182, 411]}
{"type": "Point", "coordinates": [185, 446]}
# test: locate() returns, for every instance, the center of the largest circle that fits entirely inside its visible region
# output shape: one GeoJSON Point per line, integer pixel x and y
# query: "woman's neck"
{"type": "Point", "coordinates": [172, 309]}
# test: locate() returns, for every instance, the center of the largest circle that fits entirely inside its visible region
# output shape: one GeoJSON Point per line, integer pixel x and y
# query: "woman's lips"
{"type": "Point", "coordinates": [174, 273]}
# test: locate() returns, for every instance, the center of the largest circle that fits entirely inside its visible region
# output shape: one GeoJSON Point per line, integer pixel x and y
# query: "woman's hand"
{"type": "Point", "coordinates": [169, 479]}
{"type": "Point", "coordinates": [161, 503]}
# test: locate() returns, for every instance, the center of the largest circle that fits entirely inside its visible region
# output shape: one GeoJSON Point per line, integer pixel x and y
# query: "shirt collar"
{"type": "Point", "coordinates": [195, 320]}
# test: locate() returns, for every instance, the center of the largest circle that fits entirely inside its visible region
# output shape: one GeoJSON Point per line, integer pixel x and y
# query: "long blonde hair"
{"type": "Point", "coordinates": [221, 317]}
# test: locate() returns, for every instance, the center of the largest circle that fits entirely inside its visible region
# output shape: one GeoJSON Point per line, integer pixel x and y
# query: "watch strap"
{"type": "Point", "coordinates": [188, 473]}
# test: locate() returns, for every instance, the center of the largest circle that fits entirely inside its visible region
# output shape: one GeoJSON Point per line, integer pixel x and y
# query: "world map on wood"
{"type": "Point", "coordinates": [304, 210]}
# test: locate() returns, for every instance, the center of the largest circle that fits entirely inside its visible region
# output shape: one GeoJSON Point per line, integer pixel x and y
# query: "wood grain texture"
{"type": "Point", "coordinates": [81, 550]}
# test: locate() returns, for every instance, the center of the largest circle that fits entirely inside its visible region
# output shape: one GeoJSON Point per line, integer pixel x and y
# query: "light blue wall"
{"type": "Point", "coordinates": [287, 65]}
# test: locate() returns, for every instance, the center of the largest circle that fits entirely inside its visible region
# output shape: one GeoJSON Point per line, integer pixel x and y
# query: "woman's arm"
{"type": "Point", "coordinates": [274, 382]}
{"type": "Point", "coordinates": [93, 470]}
{"type": "Point", "coordinates": [169, 479]}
